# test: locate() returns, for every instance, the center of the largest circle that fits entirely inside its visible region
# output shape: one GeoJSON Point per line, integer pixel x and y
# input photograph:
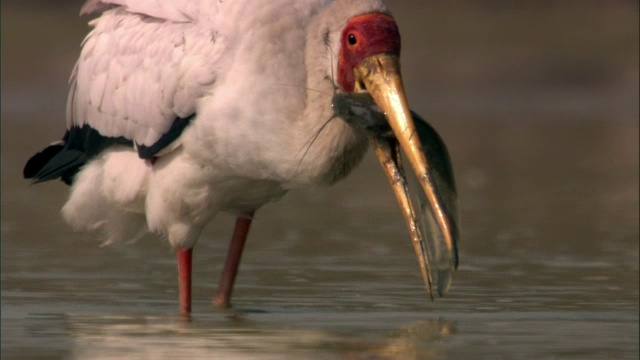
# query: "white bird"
{"type": "Point", "coordinates": [180, 109]}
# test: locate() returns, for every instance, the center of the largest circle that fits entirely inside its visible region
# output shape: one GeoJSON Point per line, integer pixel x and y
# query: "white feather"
{"type": "Point", "coordinates": [109, 195]}
{"type": "Point", "coordinates": [125, 178]}
{"type": "Point", "coordinates": [138, 57]}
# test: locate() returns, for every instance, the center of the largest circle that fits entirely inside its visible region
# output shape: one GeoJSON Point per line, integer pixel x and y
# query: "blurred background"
{"type": "Point", "coordinates": [538, 103]}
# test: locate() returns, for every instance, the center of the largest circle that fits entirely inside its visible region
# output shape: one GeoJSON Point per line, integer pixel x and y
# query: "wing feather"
{"type": "Point", "coordinates": [144, 65]}
{"type": "Point", "coordinates": [177, 10]}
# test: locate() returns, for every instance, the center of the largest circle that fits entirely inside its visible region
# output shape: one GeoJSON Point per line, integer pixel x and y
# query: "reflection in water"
{"type": "Point", "coordinates": [162, 338]}
{"type": "Point", "coordinates": [416, 341]}
{"type": "Point", "coordinates": [154, 337]}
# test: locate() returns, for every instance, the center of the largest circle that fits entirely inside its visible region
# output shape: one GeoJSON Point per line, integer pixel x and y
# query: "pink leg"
{"type": "Point", "coordinates": [184, 279]}
{"type": "Point", "coordinates": [231, 264]}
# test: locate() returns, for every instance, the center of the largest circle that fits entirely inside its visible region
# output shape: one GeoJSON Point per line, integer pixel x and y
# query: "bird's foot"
{"type": "Point", "coordinates": [222, 301]}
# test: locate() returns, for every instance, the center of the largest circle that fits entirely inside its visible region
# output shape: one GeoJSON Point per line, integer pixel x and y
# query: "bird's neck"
{"type": "Point", "coordinates": [329, 147]}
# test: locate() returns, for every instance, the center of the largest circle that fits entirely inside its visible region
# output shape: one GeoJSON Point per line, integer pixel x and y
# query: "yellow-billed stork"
{"type": "Point", "coordinates": [180, 109]}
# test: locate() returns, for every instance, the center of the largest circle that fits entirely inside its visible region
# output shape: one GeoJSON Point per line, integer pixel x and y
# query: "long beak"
{"type": "Point", "coordinates": [437, 255]}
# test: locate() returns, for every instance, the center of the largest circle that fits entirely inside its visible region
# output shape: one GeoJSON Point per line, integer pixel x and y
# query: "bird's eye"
{"type": "Point", "coordinates": [352, 39]}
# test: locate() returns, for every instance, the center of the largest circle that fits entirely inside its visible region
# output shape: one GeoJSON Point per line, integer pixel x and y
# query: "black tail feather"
{"type": "Point", "coordinates": [63, 159]}
{"type": "Point", "coordinates": [39, 160]}
{"type": "Point", "coordinates": [55, 161]}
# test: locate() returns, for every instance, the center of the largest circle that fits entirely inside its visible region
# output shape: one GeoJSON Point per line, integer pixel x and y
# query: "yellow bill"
{"type": "Point", "coordinates": [433, 224]}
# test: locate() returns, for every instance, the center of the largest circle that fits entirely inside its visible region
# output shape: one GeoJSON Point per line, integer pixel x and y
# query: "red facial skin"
{"type": "Point", "coordinates": [375, 33]}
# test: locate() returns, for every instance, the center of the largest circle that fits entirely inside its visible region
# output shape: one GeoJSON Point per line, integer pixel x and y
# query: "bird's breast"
{"type": "Point", "coordinates": [284, 147]}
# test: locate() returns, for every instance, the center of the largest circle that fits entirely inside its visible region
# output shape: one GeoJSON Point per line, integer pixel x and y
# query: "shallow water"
{"type": "Point", "coordinates": [549, 258]}
{"type": "Point", "coordinates": [549, 265]}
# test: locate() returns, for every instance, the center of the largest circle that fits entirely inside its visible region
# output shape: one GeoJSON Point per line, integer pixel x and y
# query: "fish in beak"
{"type": "Point", "coordinates": [433, 221]}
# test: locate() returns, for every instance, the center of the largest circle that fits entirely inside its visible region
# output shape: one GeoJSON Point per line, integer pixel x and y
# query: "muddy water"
{"type": "Point", "coordinates": [549, 252]}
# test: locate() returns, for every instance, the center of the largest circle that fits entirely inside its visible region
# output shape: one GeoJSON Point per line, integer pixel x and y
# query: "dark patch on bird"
{"type": "Point", "coordinates": [360, 111]}
{"type": "Point", "coordinates": [326, 37]}
{"type": "Point", "coordinates": [176, 129]}
{"type": "Point", "coordinates": [63, 159]}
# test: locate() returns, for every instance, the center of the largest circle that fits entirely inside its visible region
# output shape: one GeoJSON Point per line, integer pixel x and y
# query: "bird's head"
{"type": "Point", "coordinates": [365, 36]}
{"type": "Point", "coordinates": [368, 62]}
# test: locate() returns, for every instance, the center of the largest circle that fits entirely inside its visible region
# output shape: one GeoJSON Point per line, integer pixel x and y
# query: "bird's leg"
{"type": "Point", "coordinates": [184, 257]}
{"type": "Point", "coordinates": [232, 262]}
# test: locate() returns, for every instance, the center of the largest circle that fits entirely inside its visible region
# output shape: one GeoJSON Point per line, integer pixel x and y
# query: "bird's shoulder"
{"type": "Point", "coordinates": [174, 10]}
{"type": "Point", "coordinates": [138, 74]}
